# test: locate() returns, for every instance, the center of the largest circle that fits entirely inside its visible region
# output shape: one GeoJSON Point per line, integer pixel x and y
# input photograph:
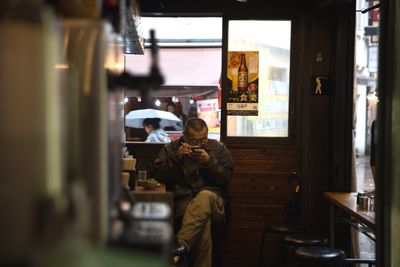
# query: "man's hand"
{"type": "Point", "coordinates": [200, 155]}
{"type": "Point", "coordinates": [194, 152]}
{"type": "Point", "coordinates": [184, 150]}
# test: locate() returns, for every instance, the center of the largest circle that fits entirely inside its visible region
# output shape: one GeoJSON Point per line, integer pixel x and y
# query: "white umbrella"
{"type": "Point", "coordinates": [135, 118]}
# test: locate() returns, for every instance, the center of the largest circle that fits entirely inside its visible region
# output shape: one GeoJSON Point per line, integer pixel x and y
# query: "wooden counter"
{"type": "Point", "coordinates": [347, 203]}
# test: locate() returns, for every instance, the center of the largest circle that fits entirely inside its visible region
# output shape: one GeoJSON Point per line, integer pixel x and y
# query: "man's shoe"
{"type": "Point", "coordinates": [179, 250]}
{"type": "Point", "coordinates": [180, 255]}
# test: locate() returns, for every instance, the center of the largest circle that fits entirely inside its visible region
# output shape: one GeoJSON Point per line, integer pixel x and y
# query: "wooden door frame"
{"type": "Point", "coordinates": [295, 87]}
{"type": "Point", "coordinates": [388, 148]}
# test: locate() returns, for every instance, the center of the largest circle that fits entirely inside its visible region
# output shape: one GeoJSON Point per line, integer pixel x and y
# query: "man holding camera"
{"type": "Point", "coordinates": [197, 170]}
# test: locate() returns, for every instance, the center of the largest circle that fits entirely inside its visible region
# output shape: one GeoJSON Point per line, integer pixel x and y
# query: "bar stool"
{"type": "Point", "coordinates": [297, 240]}
{"type": "Point", "coordinates": [305, 240]}
{"type": "Point", "coordinates": [335, 257]}
{"type": "Point", "coordinates": [277, 229]}
{"type": "Point", "coordinates": [320, 255]}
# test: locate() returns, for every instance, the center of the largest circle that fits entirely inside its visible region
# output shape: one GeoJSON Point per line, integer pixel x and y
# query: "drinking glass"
{"type": "Point", "coordinates": [142, 175]}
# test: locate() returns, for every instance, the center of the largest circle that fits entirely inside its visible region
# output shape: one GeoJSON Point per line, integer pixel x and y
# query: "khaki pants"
{"type": "Point", "coordinates": [206, 208]}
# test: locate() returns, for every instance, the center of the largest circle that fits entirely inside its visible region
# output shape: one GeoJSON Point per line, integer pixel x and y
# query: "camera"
{"type": "Point", "coordinates": [194, 148]}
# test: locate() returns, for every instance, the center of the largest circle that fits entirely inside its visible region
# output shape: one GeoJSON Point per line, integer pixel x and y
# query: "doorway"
{"type": "Point", "coordinates": [365, 110]}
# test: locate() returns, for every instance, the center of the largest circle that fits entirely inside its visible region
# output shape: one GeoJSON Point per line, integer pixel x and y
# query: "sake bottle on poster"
{"type": "Point", "coordinates": [243, 73]}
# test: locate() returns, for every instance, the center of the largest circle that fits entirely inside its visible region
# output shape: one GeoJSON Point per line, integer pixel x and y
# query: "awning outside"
{"type": "Point", "coordinates": [190, 67]}
{"type": "Point", "coordinates": [179, 91]}
{"type": "Point", "coordinates": [366, 80]}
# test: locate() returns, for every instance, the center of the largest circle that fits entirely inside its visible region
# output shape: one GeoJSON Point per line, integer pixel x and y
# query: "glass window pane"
{"type": "Point", "coordinates": [190, 61]}
{"type": "Point", "coordinates": [271, 39]}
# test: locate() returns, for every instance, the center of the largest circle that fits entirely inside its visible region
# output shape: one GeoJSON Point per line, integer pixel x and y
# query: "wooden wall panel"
{"type": "Point", "coordinates": [259, 193]}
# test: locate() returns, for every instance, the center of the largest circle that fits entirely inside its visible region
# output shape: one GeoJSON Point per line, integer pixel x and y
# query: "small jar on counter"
{"type": "Point", "coordinates": [372, 203]}
{"type": "Point", "coordinates": [363, 203]}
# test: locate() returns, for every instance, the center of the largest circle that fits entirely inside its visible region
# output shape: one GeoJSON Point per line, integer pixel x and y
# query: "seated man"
{"type": "Point", "coordinates": [197, 170]}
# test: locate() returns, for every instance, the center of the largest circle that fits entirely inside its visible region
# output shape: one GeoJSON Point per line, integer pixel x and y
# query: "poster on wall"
{"type": "Point", "coordinates": [242, 75]}
{"type": "Point", "coordinates": [208, 111]}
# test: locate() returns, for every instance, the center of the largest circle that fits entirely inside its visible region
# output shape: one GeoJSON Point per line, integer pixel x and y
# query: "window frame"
{"type": "Point", "coordinates": [245, 141]}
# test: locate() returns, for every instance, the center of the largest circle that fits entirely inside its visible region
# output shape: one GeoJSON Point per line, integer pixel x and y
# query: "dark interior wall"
{"type": "Point", "coordinates": [343, 158]}
{"type": "Point", "coordinates": [328, 119]}
{"type": "Point", "coordinates": [318, 118]}
{"type": "Point", "coordinates": [343, 65]}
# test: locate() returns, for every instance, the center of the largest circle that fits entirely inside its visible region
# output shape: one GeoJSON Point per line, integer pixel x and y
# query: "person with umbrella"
{"type": "Point", "coordinates": [155, 133]}
{"type": "Point", "coordinates": [135, 118]}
